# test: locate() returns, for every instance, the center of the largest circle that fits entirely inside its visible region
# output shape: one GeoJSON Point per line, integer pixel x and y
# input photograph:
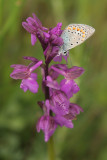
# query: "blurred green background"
{"type": "Point", "coordinates": [19, 111]}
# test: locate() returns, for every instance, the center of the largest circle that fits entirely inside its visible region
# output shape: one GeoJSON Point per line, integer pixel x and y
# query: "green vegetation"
{"type": "Point", "coordinates": [19, 111]}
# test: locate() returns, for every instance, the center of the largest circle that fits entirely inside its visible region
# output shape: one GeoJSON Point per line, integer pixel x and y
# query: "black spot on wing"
{"type": "Point", "coordinates": [65, 53]}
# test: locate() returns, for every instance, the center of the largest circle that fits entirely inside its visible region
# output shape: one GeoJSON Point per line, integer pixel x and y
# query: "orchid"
{"type": "Point", "coordinates": [28, 78]}
{"type": "Point", "coordinates": [57, 107]}
{"type": "Point", "coordinates": [68, 84]}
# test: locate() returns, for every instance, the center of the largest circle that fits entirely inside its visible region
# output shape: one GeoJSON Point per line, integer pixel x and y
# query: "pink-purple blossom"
{"type": "Point", "coordinates": [66, 120]}
{"type": "Point", "coordinates": [28, 78]}
{"type": "Point", "coordinates": [46, 123]}
{"type": "Point", "coordinates": [57, 107]}
{"type": "Point", "coordinates": [68, 85]}
{"type": "Point", "coordinates": [59, 103]}
{"type": "Point", "coordinates": [49, 38]}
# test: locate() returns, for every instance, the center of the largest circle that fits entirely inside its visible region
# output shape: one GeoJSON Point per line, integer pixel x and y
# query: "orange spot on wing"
{"type": "Point", "coordinates": [78, 29]}
{"type": "Point", "coordinates": [83, 35]}
{"type": "Point", "coordinates": [69, 28]}
{"type": "Point", "coordinates": [81, 30]}
{"type": "Point", "coordinates": [74, 28]}
{"type": "Point", "coordinates": [82, 40]}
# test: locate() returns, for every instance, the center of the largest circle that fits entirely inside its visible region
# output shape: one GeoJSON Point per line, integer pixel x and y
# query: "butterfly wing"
{"type": "Point", "coordinates": [73, 35]}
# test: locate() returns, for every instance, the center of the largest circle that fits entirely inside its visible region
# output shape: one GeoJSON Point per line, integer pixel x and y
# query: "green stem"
{"type": "Point", "coordinates": [51, 151]}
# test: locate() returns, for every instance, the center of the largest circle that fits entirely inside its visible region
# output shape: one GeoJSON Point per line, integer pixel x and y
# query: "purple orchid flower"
{"type": "Point", "coordinates": [74, 109]}
{"type": "Point", "coordinates": [68, 84]}
{"type": "Point", "coordinates": [66, 120]}
{"type": "Point", "coordinates": [59, 99]}
{"type": "Point", "coordinates": [46, 123]}
{"type": "Point", "coordinates": [58, 58]}
{"type": "Point", "coordinates": [28, 78]}
{"type": "Point", "coordinates": [54, 75]}
{"type": "Point", "coordinates": [57, 31]}
{"type": "Point", "coordinates": [59, 102]}
{"type": "Point", "coordinates": [50, 41]}
{"type": "Point", "coordinates": [34, 26]}
{"type": "Point", "coordinates": [62, 121]}
{"type": "Point", "coordinates": [54, 43]}
{"type": "Point", "coordinates": [52, 83]}
{"type": "Point", "coordinates": [57, 107]}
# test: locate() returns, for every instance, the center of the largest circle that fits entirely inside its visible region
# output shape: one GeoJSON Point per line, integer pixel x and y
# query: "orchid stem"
{"type": "Point", "coordinates": [51, 151]}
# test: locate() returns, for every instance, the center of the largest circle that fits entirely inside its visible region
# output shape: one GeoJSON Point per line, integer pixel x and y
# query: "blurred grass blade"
{"type": "Point", "coordinates": [1, 7]}
{"type": "Point", "coordinates": [10, 19]}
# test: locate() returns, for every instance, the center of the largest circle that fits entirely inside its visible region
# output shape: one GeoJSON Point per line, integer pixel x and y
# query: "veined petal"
{"type": "Point", "coordinates": [37, 20]}
{"type": "Point", "coordinates": [57, 30]}
{"type": "Point", "coordinates": [53, 74]}
{"type": "Point", "coordinates": [59, 103]}
{"type": "Point", "coordinates": [63, 121]}
{"type": "Point", "coordinates": [74, 72]}
{"type": "Point", "coordinates": [18, 66]}
{"type": "Point", "coordinates": [57, 41]}
{"type": "Point", "coordinates": [30, 84]}
{"type": "Point", "coordinates": [33, 39]}
{"type": "Point", "coordinates": [29, 28]}
{"type": "Point", "coordinates": [75, 109]}
{"type": "Point", "coordinates": [20, 72]}
{"type": "Point", "coordinates": [52, 83]}
{"type": "Point", "coordinates": [33, 59]}
{"type": "Point", "coordinates": [45, 106]}
{"type": "Point", "coordinates": [69, 87]}
{"type": "Point", "coordinates": [58, 58]}
{"type": "Point", "coordinates": [48, 125]}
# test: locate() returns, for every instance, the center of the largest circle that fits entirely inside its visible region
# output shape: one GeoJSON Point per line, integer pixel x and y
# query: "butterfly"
{"type": "Point", "coordinates": [74, 35]}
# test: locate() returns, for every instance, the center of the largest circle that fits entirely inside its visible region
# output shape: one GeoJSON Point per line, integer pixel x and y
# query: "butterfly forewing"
{"type": "Point", "coordinates": [75, 34]}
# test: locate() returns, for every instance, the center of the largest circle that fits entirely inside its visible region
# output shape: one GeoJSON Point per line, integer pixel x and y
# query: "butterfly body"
{"type": "Point", "coordinates": [73, 35]}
